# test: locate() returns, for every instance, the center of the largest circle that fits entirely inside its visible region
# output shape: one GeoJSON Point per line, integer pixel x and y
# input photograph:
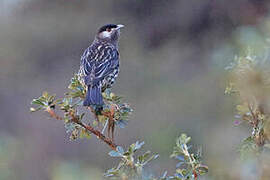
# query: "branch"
{"type": "Point", "coordinates": [89, 128]}
{"type": "Point", "coordinates": [99, 135]}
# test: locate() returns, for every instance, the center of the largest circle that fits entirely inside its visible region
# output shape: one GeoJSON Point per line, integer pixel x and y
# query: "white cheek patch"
{"type": "Point", "coordinates": [105, 34]}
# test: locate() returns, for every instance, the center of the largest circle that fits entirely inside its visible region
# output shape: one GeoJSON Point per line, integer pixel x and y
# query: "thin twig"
{"type": "Point", "coordinates": [53, 114]}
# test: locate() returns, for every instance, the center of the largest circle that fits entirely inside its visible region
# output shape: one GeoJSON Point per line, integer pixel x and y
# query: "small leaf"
{"type": "Point", "coordinates": [138, 145]}
{"type": "Point", "coordinates": [179, 164]}
{"type": "Point", "coordinates": [51, 99]}
{"type": "Point", "coordinates": [120, 149]}
{"type": "Point", "coordinates": [38, 102]}
{"type": "Point", "coordinates": [115, 154]}
{"type": "Point", "coordinates": [146, 154]}
{"type": "Point", "coordinates": [180, 158]}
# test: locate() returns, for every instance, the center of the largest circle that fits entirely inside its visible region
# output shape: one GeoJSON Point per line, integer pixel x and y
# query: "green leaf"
{"type": "Point", "coordinates": [38, 102]}
{"type": "Point", "coordinates": [51, 98]}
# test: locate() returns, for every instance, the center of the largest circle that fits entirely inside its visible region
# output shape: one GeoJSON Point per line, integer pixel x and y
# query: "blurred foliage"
{"type": "Point", "coordinates": [249, 83]}
{"type": "Point", "coordinates": [130, 167]}
{"type": "Point", "coordinates": [189, 166]}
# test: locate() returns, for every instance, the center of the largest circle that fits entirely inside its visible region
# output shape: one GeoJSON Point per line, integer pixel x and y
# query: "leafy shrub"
{"type": "Point", "coordinates": [115, 112]}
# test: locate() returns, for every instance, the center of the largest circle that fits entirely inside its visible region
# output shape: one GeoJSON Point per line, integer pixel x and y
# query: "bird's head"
{"type": "Point", "coordinates": [109, 33]}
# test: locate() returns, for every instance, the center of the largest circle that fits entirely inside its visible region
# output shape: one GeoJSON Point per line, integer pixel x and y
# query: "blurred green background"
{"type": "Point", "coordinates": [173, 55]}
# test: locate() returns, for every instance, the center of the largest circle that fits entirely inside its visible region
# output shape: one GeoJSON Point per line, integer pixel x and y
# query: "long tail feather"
{"type": "Point", "coordinates": [93, 96]}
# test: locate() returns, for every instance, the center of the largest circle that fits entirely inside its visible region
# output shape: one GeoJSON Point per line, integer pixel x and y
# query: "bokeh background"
{"type": "Point", "coordinates": [173, 55]}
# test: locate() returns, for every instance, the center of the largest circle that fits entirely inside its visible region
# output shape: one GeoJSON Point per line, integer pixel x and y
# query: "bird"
{"type": "Point", "coordinates": [99, 64]}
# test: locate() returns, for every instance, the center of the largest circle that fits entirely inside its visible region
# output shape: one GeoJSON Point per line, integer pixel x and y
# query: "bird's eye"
{"type": "Point", "coordinates": [108, 29]}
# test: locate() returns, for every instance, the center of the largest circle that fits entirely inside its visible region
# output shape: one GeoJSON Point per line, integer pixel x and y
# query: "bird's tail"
{"type": "Point", "coordinates": [93, 96]}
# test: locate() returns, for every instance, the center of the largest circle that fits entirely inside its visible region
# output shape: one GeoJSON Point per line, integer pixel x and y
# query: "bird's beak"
{"type": "Point", "coordinates": [119, 26]}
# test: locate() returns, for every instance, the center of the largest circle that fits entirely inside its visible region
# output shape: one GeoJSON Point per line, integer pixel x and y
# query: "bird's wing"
{"type": "Point", "coordinates": [98, 65]}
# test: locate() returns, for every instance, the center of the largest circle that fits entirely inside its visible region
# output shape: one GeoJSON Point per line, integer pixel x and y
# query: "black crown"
{"type": "Point", "coordinates": [105, 27]}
